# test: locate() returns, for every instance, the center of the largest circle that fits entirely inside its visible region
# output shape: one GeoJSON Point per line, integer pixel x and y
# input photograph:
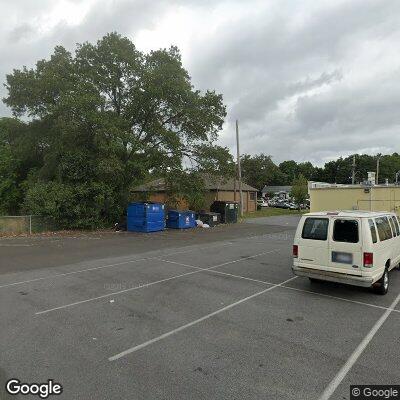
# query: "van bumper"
{"type": "Point", "coordinates": [364, 281]}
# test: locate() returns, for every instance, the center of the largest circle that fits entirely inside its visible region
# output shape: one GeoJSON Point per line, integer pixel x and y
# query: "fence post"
{"type": "Point", "coordinates": [30, 224]}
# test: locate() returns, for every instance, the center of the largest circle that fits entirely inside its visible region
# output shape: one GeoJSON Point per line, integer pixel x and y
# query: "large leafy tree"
{"type": "Point", "coordinates": [15, 163]}
{"type": "Point", "coordinates": [340, 170]}
{"type": "Point", "coordinates": [104, 118]}
{"type": "Point", "coordinates": [292, 170]}
{"type": "Point", "coordinates": [260, 170]}
{"type": "Point", "coordinates": [299, 190]}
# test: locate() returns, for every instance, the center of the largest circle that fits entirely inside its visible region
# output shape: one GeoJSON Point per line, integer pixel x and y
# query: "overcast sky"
{"type": "Point", "coordinates": [308, 80]}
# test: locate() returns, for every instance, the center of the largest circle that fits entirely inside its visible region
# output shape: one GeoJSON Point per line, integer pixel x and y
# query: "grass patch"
{"type": "Point", "coordinates": [270, 212]}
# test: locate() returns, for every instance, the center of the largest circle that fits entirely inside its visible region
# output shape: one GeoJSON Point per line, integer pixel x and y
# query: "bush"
{"type": "Point", "coordinates": [83, 206]}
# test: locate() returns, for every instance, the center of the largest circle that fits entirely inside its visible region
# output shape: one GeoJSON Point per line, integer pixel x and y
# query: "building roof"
{"type": "Point", "coordinates": [211, 183]}
{"type": "Point", "coordinates": [323, 185]}
{"type": "Point", "coordinates": [276, 189]}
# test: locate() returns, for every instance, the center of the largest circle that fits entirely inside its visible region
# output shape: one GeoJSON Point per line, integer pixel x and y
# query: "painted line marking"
{"type": "Point", "coordinates": [336, 381]}
{"type": "Point", "coordinates": [148, 284]}
{"type": "Point", "coordinates": [283, 286]}
{"type": "Point", "coordinates": [71, 273]}
{"type": "Point", "coordinates": [341, 298]}
{"type": "Point", "coordinates": [105, 266]}
{"type": "Point", "coordinates": [195, 322]}
{"type": "Point", "coordinates": [16, 245]}
{"type": "Point", "coordinates": [219, 272]}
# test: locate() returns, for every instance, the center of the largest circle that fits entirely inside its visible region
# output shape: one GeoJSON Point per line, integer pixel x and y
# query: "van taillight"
{"type": "Point", "coordinates": [295, 250]}
{"type": "Point", "coordinates": [368, 260]}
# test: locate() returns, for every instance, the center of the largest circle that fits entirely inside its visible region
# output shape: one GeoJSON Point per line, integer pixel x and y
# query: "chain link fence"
{"type": "Point", "coordinates": [25, 224]}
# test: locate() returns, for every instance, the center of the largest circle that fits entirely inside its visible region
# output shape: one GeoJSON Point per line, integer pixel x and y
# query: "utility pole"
{"type": "Point", "coordinates": [239, 169]}
{"type": "Point", "coordinates": [377, 169]}
{"type": "Point", "coordinates": [353, 171]}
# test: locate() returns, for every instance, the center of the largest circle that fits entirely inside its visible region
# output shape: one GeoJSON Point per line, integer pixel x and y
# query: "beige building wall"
{"type": "Point", "coordinates": [376, 198]}
{"type": "Point", "coordinates": [249, 205]}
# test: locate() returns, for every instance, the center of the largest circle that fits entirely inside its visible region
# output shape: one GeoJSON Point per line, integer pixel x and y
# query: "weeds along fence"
{"type": "Point", "coordinates": [25, 224]}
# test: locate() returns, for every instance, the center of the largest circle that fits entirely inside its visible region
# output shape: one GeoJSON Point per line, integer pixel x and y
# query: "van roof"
{"type": "Point", "coordinates": [350, 213]}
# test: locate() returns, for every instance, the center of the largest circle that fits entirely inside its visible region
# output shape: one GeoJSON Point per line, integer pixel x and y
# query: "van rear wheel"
{"type": "Point", "coordinates": [382, 286]}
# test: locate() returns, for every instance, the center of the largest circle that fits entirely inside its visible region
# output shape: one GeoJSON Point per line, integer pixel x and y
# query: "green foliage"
{"type": "Point", "coordinates": [102, 120]}
{"type": "Point", "coordinates": [260, 170]}
{"type": "Point", "coordinates": [82, 206]}
{"type": "Point", "coordinates": [108, 116]}
{"type": "Point", "coordinates": [299, 189]}
{"type": "Point", "coordinates": [187, 186]}
{"type": "Point", "coordinates": [10, 195]}
{"type": "Point", "coordinates": [291, 169]}
{"type": "Point", "coordinates": [340, 170]}
{"type": "Point", "coordinates": [12, 169]}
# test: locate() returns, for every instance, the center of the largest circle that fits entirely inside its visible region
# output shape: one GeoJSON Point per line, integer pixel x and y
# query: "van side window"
{"type": "Point", "coordinates": [396, 225]}
{"type": "Point", "coordinates": [392, 226]}
{"type": "Point", "coordinates": [384, 231]}
{"type": "Point", "coordinates": [315, 228]}
{"type": "Point", "coordinates": [345, 230]}
{"type": "Point", "coordinates": [373, 230]}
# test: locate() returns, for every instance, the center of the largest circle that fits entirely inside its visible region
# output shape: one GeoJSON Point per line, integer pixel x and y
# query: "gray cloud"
{"type": "Point", "coordinates": [307, 80]}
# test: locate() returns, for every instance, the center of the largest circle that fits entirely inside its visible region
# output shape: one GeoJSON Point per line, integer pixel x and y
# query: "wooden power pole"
{"type": "Point", "coordinates": [353, 171]}
{"type": "Point", "coordinates": [377, 169]}
{"type": "Point", "coordinates": [239, 169]}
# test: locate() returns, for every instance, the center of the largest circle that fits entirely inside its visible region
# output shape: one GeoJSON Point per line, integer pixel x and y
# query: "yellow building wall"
{"type": "Point", "coordinates": [379, 198]}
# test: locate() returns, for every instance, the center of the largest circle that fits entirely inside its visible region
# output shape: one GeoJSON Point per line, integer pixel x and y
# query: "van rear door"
{"type": "Point", "coordinates": [313, 242]}
{"type": "Point", "coordinates": [346, 245]}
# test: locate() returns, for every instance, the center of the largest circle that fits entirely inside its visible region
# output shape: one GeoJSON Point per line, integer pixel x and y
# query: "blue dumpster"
{"type": "Point", "coordinates": [145, 217]}
{"type": "Point", "coordinates": [181, 219]}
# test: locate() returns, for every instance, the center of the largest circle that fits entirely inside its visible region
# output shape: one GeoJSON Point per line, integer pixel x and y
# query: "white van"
{"type": "Point", "coordinates": [354, 247]}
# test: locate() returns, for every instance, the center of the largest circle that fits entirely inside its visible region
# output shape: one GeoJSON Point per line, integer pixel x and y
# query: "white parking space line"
{"type": "Point", "coordinates": [195, 322]}
{"type": "Point", "coordinates": [105, 266]}
{"type": "Point", "coordinates": [341, 298]}
{"type": "Point", "coordinates": [218, 272]}
{"type": "Point", "coordinates": [283, 286]}
{"type": "Point", "coordinates": [149, 284]}
{"type": "Point", "coordinates": [15, 245]}
{"type": "Point", "coordinates": [71, 273]}
{"type": "Point", "coordinates": [330, 389]}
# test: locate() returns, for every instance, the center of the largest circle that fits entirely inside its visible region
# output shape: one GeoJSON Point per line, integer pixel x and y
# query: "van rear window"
{"type": "Point", "coordinates": [384, 231]}
{"type": "Point", "coordinates": [345, 230]}
{"type": "Point", "coordinates": [373, 231]}
{"type": "Point", "coordinates": [315, 228]}
{"type": "Point", "coordinates": [392, 226]}
{"type": "Point", "coordinates": [396, 226]}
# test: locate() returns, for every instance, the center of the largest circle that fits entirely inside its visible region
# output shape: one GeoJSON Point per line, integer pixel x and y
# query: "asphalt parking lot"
{"type": "Point", "coordinates": [201, 314]}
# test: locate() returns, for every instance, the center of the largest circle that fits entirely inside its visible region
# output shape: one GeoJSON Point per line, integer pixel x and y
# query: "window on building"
{"type": "Point", "coordinates": [315, 228]}
{"type": "Point", "coordinates": [252, 196]}
{"type": "Point", "coordinates": [345, 230]}
{"type": "Point", "coordinates": [383, 227]}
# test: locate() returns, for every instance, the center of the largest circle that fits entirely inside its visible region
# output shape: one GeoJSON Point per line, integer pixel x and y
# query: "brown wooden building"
{"type": "Point", "coordinates": [216, 189]}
